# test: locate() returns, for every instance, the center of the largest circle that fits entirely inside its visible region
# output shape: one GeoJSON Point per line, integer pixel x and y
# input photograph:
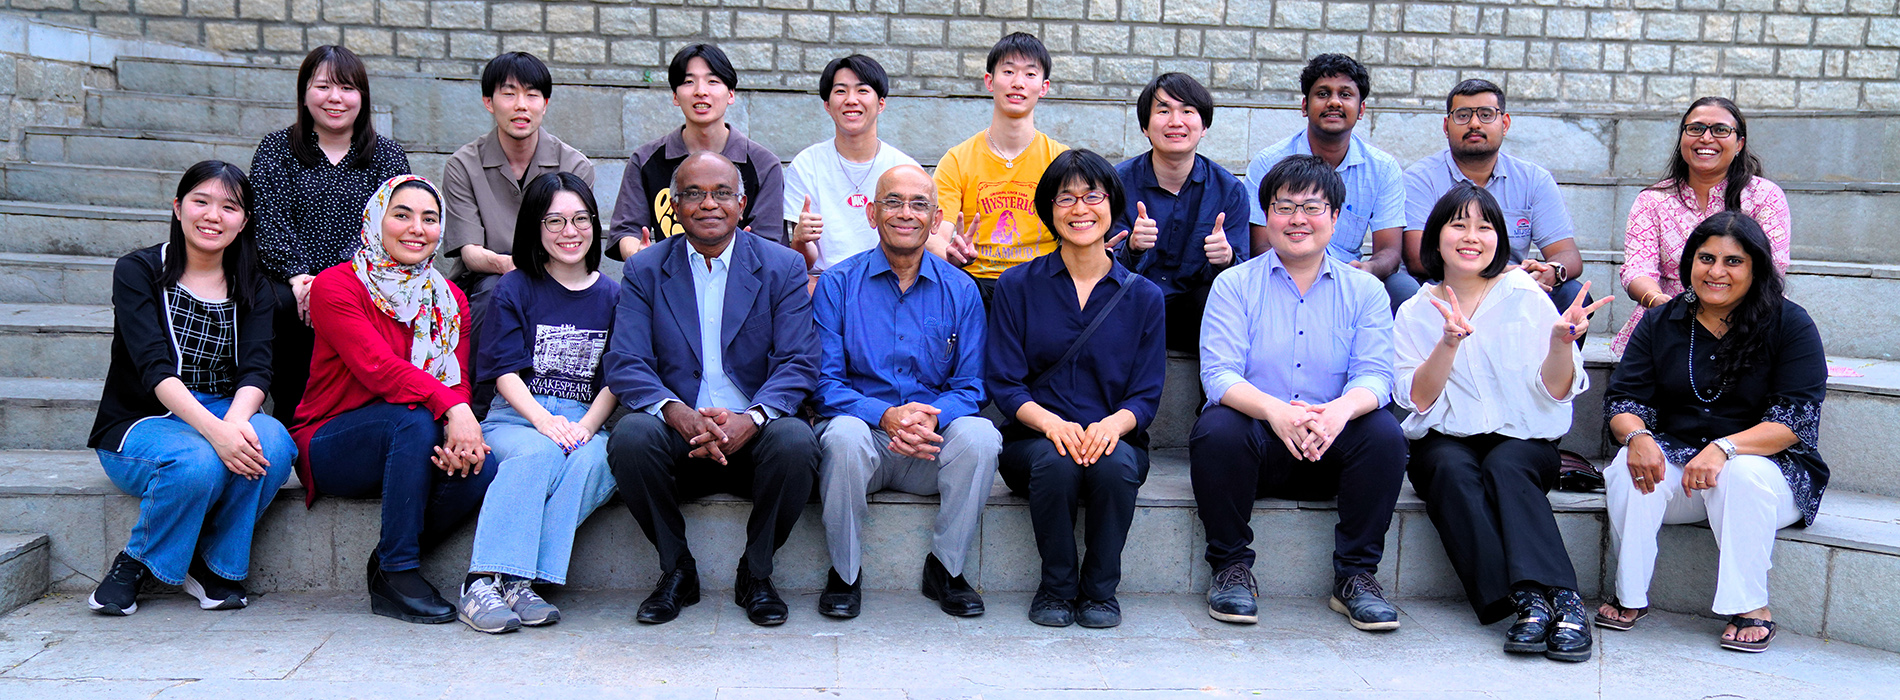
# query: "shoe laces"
{"type": "Point", "coordinates": [519, 591]}
{"type": "Point", "coordinates": [1237, 575]}
{"type": "Point", "coordinates": [1359, 584]}
{"type": "Point", "coordinates": [484, 595]}
{"type": "Point", "coordinates": [126, 571]}
{"type": "Point", "coordinates": [1531, 606]}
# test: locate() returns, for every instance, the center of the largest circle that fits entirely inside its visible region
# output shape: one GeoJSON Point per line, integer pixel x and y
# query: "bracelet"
{"type": "Point", "coordinates": [1639, 431]}
{"type": "Point", "coordinates": [1646, 298]}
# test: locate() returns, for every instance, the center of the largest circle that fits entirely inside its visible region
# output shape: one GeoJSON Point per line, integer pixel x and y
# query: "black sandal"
{"type": "Point", "coordinates": [1616, 623]}
{"type": "Point", "coordinates": [1741, 623]}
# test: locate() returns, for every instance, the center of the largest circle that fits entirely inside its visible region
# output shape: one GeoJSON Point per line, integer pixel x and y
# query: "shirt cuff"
{"type": "Point", "coordinates": [659, 409]}
{"type": "Point", "coordinates": [770, 413]}
{"type": "Point", "coordinates": [1380, 392]}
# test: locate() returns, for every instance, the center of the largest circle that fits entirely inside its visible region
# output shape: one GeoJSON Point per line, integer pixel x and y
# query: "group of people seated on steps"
{"type": "Point", "coordinates": [853, 348]}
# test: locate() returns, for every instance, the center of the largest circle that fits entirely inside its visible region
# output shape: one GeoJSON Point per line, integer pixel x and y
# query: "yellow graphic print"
{"type": "Point", "coordinates": [1011, 233]}
{"type": "Point", "coordinates": [665, 223]}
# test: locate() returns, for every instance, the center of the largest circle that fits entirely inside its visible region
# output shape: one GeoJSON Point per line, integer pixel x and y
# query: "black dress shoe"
{"type": "Point", "coordinates": [1570, 634]}
{"type": "Point", "coordinates": [841, 599]}
{"type": "Point", "coordinates": [406, 596]}
{"type": "Point", "coordinates": [1050, 611]}
{"type": "Point", "coordinates": [761, 602]}
{"type": "Point", "coordinates": [952, 593]}
{"type": "Point", "coordinates": [1528, 634]}
{"type": "Point", "coordinates": [677, 589]}
{"type": "Point", "coordinates": [1360, 599]}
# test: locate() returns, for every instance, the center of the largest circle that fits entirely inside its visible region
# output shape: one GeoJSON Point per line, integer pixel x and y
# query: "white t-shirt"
{"type": "Point", "coordinates": [839, 191]}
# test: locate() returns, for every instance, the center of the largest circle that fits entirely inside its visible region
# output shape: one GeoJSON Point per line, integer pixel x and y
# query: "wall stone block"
{"type": "Point", "coordinates": [859, 30]}
{"type": "Point", "coordinates": [458, 14]}
{"type": "Point", "coordinates": [1141, 10]}
{"type": "Point", "coordinates": [1670, 26]}
{"type": "Point", "coordinates": [1227, 43]}
{"type": "Point", "coordinates": [286, 39]}
{"type": "Point", "coordinates": [1829, 94]}
{"type": "Point", "coordinates": [531, 43]}
{"type": "Point", "coordinates": [1124, 70]}
{"type": "Point", "coordinates": [1298, 14]}
{"type": "Point", "coordinates": [1202, 12]}
{"type": "Point", "coordinates": [1348, 17]}
{"type": "Point", "coordinates": [1872, 63]}
{"type": "Point", "coordinates": [1459, 52]}
{"type": "Point", "coordinates": [1504, 55]}
{"type": "Point", "coordinates": [1566, 24]}
{"type": "Point", "coordinates": [413, 44]}
{"type": "Point", "coordinates": [368, 41]}
{"type": "Point", "coordinates": [1409, 51]}
{"type": "Point", "coordinates": [473, 46]}
{"type": "Point", "coordinates": [1839, 31]}
{"type": "Point", "coordinates": [232, 36]}
{"type": "Point", "coordinates": [1348, 44]}
{"type": "Point", "coordinates": [219, 9]}
{"type": "Point", "coordinates": [570, 19]}
{"type": "Point", "coordinates": [915, 32]}
{"type": "Point", "coordinates": [1059, 9]}
{"type": "Point", "coordinates": [515, 17]}
{"type": "Point", "coordinates": [1006, 8]}
{"type": "Point", "coordinates": [1578, 55]}
{"type": "Point", "coordinates": [635, 52]}
{"type": "Point", "coordinates": [349, 11]}
{"type": "Point", "coordinates": [273, 10]}
{"type": "Point", "coordinates": [1152, 41]}
{"type": "Point", "coordinates": [1615, 25]}
{"type": "Point", "coordinates": [1800, 63]}
{"type": "Point", "coordinates": [1428, 19]}
{"type": "Point", "coordinates": [1236, 75]}
{"type": "Point", "coordinates": [1279, 46]}
{"type": "Point", "coordinates": [1749, 61]}
{"type": "Point", "coordinates": [1787, 29]}
{"type": "Point", "coordinates": [1766, 92]}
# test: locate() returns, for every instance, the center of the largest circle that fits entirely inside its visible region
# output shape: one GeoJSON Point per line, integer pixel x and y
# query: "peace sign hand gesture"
{"type": "Point", "coordinates": [1576, 319]}
{"type": "Point", "coordinates": [962, 249]}
{"type": "Point", "coordinates": [1457, 327]}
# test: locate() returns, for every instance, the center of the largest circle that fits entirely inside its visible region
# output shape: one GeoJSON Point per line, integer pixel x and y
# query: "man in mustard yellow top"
{"type": "Point", "coordinates": [986, 185]}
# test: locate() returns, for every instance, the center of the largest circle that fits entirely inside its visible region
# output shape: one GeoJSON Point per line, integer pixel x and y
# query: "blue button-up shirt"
{"type": "Point", "coordinates": [1375, 191]}
{"type": "Point", "coordinates": [1310, 347]}
{"type": "Point", "coordinates": [1034, 318]}
{"type": "Point", "coordinates": [1179, 258]}
{"type": "Point", "coordinates": [1534, 212]}
{"type": "Point", "coordinates": [884, 347]}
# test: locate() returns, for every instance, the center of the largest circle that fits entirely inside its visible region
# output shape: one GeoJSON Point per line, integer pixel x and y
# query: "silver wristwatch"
{"type": "Point", "coordinates": [1562, 272]}
{"type": "Point", "coordinates": [1727, 447]}
{"type": "Point", "coordinates": [758, 416]}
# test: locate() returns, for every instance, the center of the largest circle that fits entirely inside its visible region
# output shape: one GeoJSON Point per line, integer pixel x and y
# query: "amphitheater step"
{"type": "Point", "coordinates": [23, 567]}
{"type": "Point", "coordinates": [46, 414]}
{"type": "Point", "coordinates": [81, 230]}
{"type": "Point", "coordinates": [31, 278]}
{"type": "Point", "coordinates": [92, 185]}
{"type": "Point", "coordinates": [175, 77]}
{"type": "Point", "coordinates": [134, 148]}
{"type": "Point", "coordinates": [67, 341]}
{"type": "Point", "coordinates": [120, 109]}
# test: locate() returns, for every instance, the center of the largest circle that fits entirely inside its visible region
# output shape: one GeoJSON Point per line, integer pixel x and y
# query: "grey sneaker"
{"type": "Point", "coordinates": [533, 610]}
{"type": "Point", "coordinates": [483, 610]}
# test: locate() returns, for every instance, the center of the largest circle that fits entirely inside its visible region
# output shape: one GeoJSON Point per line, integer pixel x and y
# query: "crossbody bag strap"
{"type": "Point", "coordinates": [1076, 347]}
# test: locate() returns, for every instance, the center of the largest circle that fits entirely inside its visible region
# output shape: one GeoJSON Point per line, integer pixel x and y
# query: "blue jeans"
{"type": "Point", "coordinates": [188, 502]}
{"type": "Point", "coordinates": [540, 494]}
{"type": "Point", "coordinates": [383, 449]}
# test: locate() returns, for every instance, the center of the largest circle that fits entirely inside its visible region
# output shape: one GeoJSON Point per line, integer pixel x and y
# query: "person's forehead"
{"type": "Point", "coordinates": [845, 77]}
{"type": "Point", "coordinates": [512, 82]}
{"type": "Point", "coordinates": [1335, 82]}
{"type": "Point", "coordinates": [909, 186]}
{"type": "Point", "coordinates": [708, 173]}
{"type": "Point", "coordinates": [1163, 99]}
{"type": "Point", "coordinates": [1482, 99]}
{"type": "Point", "coordinates": [1711, 114]}
{"type": "Point", "coordinates": [697, 66]}
{"type": "Point", "coordinates": [1305, 194]}
{"type": "Point", "coordinates": [1019, 62]}
{"type": "Point", "coordinates": [413, 198]}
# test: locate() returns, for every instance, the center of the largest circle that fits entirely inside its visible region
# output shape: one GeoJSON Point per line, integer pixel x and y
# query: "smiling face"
{"type": "Point", "coordinates": [1475, 139]}
{"type": "Point", "coordinates": [852, 104]}
{"type": "Point", "coordinates": [1080, 223]}
{"type": "Point", "coordinates": [518, 110]}
{"type": "Point", "coordinates": [1707, 155]}
{"type": "Point", "coordinates": [702, 97]}
{"type": "Point", "coordinates": [333, 106]}
{"type": "Point", "coordinates": [1294, 233]}
{"type": "Point", "coordinates": [412, 226]}
{"type": "Point", "coordinates": [709, 222]}
{"type": "Point", "coordinates": [567, 246]}
{"type": "Point", "coordinates": [1334, 105]}
{"type": "Point", "coordinates": [902, 230]}
{"type": "Point", "coordinates": [1017, 83]}
{"type": "Point", "coordinates": [1174, 127]}
{"type": "Point", "coordinates": [1721, 274]}
{"type": "Point", "coordinates": [1467, 243]}
{"type": "Point", "coordinates": [211, 216]}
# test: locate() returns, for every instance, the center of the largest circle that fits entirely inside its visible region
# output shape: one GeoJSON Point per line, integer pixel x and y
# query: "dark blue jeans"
{"type": "Point", "coordinates": [383, 449]}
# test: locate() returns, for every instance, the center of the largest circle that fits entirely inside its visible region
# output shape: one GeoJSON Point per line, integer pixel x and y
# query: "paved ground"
{"type": "Point", "coordinates": [310, 645]}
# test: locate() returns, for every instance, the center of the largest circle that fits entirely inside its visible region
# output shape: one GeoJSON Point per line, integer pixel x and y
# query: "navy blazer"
{"type": "Point", "coordinates": [771, 346]}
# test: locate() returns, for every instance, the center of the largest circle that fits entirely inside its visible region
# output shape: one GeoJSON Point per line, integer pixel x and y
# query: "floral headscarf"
{"type": "Point", "coordinates": [416, 295]}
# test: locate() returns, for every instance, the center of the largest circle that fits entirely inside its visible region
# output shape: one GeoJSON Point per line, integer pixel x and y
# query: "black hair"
{"type": "Point", "coordinates": [345, 69]}
{"type": "Point", "coordinates": [1296, 174]}
{"type": "Point", "coordinates": [1022, 44]}
{"type": "Point", "coordinates": [1744, 168]}
{"type": "Point", "coordinates": [868, 70]}
{"type": "Point", "coordinates": [531, 258]}
{"type": "Point", "coordinates": [1079, 164]}
{"type": "Point", "coordinates": [243, 277]}
{"type": "Point", "coordinates": [1184, 89]}
{"type": "Point", "coordinates": [1757, 317]}
{"type": "Point", "coordinates": [1452, 206]}
{"type": "Point", "coordinates": [1328, 65]}
{"type": "Point", "coordinates": [523, 67]}
{"type": "Point", "coordinates": [716, 62]}
{"type": "Point", "coordinates": [1475, 86]}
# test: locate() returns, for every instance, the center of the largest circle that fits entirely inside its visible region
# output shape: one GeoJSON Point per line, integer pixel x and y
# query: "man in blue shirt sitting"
{"type": "Point", "coordinates": [899, 385]}
{"type": "Point", "coordinates": [1186, 217]}
{"type": "Point", "coordinates": [1296, 359]}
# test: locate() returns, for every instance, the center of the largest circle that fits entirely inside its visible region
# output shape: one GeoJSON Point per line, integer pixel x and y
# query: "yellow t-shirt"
{"type": "Point", "coordinates": [973, 181]}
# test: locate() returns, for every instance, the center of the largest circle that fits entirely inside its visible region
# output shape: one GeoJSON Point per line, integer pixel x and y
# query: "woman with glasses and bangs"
{"type": "Point", "coordinates": [1710, 171]}
{"type": "Point", "coordinates": [542, 348]}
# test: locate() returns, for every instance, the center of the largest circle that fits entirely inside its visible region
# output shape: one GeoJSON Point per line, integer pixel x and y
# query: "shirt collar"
{"type": "Point", "coordinates": [1275, 265]}
{"type": "Point", "coordinates": [1145, 171]}
{"type": "Point", "coordinates": [735, 150]}
{"type": "Point", "coordinates": [1355, 150]}
{"type": "Point", "coordinates": [699, 260]}
{"type": "Point", "coordinates": [880, 264]}
{"type": "Point", "coordinates": [547, 151]}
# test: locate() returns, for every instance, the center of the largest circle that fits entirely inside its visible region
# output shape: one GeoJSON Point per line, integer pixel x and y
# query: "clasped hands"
{"type": "Point", "coordinates": [1307, 429]}
{"type": "Point", "coordinates": [913, 430]}
{"type": "Point", "coordinates": [713, 433]}
{"type": "Point", "coordinates": [462, 451]}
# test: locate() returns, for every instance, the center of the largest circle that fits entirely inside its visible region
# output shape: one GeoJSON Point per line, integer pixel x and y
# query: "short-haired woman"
{"type": "Point", "coordinates": [1718, 405]}
{"type": "Point", "coordinates": [1488, 368]}
{"type": "Point", "coordinates": [1077, 408]}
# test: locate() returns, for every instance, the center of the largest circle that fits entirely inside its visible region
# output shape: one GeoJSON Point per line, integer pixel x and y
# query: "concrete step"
{"type": "Point", "coordinates": [23, 567]}
{"type": "Point", "coordinates": [134, 148]}
{"type": "Point", "coordinates": [55, 279]}
{"type": "Point", "coordinates": [47, 414]}
{"type": "Point", "coordinates": [122, 109]}
{"type": "Point", "coordinates": [91, 185]}
{"type": "Point", "coordinates": [65, 341]}
{"type": "Point", "coordinates": [45, 228]}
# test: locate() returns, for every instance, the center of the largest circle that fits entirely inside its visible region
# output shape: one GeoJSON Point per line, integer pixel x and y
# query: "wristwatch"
{"type": "Point", "coordinates": [1727, 447]}
{"type": "Point", "coordinates": [1562, 272]}
{"type": "Point", "coordinates": [757, 415]}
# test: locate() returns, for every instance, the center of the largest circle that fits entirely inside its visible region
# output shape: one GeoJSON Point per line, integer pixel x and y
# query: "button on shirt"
{"type": "Point", "coordinates": [1375, 191]}
{"type": "Point", "coordinates": [1534, 212]}
{"type": "Point", "coordinates": [884, 347]}
{"type": "Point", "coordinates": [1178, 259]}
{"type": "Point", "coordinates": [1310, 347]}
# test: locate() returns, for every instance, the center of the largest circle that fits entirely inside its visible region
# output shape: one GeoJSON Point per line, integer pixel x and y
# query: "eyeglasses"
{"type": "Point", "coordinates": [1485, 115]}
{"type": "Point", "coordinates": [1091, 198]}
{"type": "Point", "coordinates": [920, 207]}
{"type": "Point", "coordinates": [1697, 129]}
{"type": "Point", "coordinates": [1286, 208]}
{"type": "Point", "coordinates": [556, 223]}
{"type": "Point", "coordinates": [695, 196]}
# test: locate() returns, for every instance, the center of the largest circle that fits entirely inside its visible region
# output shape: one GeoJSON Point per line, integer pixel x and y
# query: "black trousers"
{"type": "Point", "coordinates": [1184, 312]}
{"type": "Point", "coordinates": [1236, 459]}
{"type": "Point", "coordinates": [479, 288]}
{"type": "Point", "coordinates": [290, 355]}
{"type": "Point", "coordinates": [1486, 494]}
{"type": "Point", "coordinates": [1055, 486]}
{"type": "Point", "coordinates": [776, 470]}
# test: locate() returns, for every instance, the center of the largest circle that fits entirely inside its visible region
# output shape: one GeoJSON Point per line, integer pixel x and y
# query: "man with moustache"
{"type": "Point", "coordinates": [829, 185]}
{"type": "Point", "coordinates": [899, 386]}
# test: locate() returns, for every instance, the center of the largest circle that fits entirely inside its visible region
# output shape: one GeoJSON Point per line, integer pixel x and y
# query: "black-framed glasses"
{"type": "Point", "coordinates": [695, 196]}
{"type": "Point", "coordinates": [1091, 198]}
{"type": "Point", "coordinates": [555, 223]}
{"type": "Point", "coordinates": [1721, 131]}
{"type": "Point", "coordinates": [920, 207]}
{"type": "Point", "coordinates": [1285, 208]}
{"type": "Point", "coordinates": [1485, 115]}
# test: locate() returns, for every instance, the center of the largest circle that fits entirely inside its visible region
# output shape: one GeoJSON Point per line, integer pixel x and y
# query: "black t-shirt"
{"type": "Point", "coordinates": [552, 335]}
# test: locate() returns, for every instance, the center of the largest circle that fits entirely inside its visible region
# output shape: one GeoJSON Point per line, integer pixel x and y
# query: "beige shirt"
{"type": "Point", "coordinates": [481, 195]}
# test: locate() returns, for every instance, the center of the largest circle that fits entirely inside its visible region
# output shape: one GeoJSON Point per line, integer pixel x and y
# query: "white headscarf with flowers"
{"type": "Point", "coordinates": [417, 295]}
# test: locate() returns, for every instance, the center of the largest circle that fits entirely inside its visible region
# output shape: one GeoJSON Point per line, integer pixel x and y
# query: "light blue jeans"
{"type": "Point", "coordinates": [540, 495]}
{"type": "Point", "coordinates": [188, 502]}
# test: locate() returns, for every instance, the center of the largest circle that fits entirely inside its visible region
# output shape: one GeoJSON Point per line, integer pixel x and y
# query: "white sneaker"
{"type": "Point", "coordinates": [483, 610]}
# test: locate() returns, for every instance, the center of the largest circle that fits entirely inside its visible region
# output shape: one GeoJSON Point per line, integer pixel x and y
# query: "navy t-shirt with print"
{"type": "Point", "coordinates": [552, 335]}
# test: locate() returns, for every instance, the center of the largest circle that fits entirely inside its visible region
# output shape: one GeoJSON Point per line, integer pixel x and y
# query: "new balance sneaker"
{"type": "Point", "coordinates": [214, 592]}
{"type": "Point", "coordinates": [483, 610]}
{"type": "Point", "coordinates": [118, 594]}
{"type": "Point", "coordinates": [533, 610]}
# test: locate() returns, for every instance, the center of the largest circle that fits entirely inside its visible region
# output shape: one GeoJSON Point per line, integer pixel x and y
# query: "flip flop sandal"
{"type": "Point", "coordinates": [1742, 623]}
{"type": "Point", "coordinates": [1612, 623]}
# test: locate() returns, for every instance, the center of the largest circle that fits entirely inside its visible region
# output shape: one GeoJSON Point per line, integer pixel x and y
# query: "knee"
{"type": "Point", "coordinates": [635, 433]}
{"type": "Point", "coordinates": [1121, 467]}
{"type": "Point", "coordinates": [847, 434]}
{"type": "Point", "coordinates": [975, 434]}
{"type": "Point", "coordinates": [789, 437]}
{"type": "Point", "coordinates": [413, 427]}
{"type": "Point", "coordinates": [1747, 477]}
{"type": "Point", "coordinates": [198, 470]}
{"type": "Point", "coordinates": [1219, 426]}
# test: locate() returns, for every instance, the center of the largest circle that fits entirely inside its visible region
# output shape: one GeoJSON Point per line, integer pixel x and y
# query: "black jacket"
{"type": "Point", "coordinates": [144, 354]}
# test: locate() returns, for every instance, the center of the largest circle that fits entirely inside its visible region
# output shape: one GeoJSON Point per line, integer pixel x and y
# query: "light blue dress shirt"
{"type": "Point", "coordinates": [1375, 191]}
{"type": "Point", "coordinates": [1310, 347]}
{"type": "Point", "coordinates": [1534, 212]}
{"type": "Point", "coordinates": [716, 390]}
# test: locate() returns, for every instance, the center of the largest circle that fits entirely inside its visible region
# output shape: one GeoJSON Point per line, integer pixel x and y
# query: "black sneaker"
{"type": "Point", "coordinates": [1360, 599]}
{"type": "Point", "coordinates": [214, 592]}
{"type": "Point", "coordinates": [1570, 634]}
{"type": "Point", "coordinates": [1528, 634]}
{"type": "Point", "coordinates": [1050, 611]}
{"type": "Point", "coordinates": [1099, 614]}
{"type": "Point", "coordinates": [1232, 596]}
{"type": "Point", "coordinates": [118, 594]}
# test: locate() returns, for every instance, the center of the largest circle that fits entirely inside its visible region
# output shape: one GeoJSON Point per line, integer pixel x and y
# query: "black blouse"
{"type": "Point", "coordinates": [1786, 387]}
{"type": "Point", "coordinates": [311, 218]}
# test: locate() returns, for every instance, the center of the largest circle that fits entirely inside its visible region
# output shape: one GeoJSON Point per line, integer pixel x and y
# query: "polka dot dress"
{"type": "Point", "coordinates": [310, 218]}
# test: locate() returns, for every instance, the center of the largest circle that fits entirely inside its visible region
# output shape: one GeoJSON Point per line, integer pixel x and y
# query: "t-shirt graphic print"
{"type": "Point", "coordinates": [566, 361]}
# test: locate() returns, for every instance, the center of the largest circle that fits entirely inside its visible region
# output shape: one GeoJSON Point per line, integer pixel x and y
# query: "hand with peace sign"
{"type": "Point", "coordinates": [1457, 327]}
{"type": "Point", "coordinates": [962, 250]}
{"type": "Point", "coordinates": [1576, 319]}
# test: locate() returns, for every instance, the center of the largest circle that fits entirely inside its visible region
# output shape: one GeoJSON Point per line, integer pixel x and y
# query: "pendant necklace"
{"type": "Point", "coordinates": [1694, 324]}
{"type": "Point", "coordinates": [1008, 162]}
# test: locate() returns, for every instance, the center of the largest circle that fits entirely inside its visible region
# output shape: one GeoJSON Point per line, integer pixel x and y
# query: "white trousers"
{"type": "Point", "coordinates": [1749, 502]}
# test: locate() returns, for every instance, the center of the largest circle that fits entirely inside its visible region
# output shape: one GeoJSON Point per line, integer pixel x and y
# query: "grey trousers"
{"type": "Point", "coordinates": [857, 460]}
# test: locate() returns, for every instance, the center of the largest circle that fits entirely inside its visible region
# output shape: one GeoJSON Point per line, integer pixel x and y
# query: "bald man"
{"type": "Point", "coordinates": [713, 351]}
{"type": "Point", "coordinates": [898, 389]}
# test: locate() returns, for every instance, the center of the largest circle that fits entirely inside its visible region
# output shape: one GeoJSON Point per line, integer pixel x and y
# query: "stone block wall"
{"type": "Point", "coordinates": [1559, 54]}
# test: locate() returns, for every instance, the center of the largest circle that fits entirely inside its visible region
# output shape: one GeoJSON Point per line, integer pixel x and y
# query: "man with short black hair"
{"type": "Point", "coordinates": [703, 81]}
{"type": "Point", "coordinates": [829, 185]}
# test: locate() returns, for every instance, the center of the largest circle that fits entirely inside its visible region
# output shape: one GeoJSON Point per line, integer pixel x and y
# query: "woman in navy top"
{"type": "Point", "coordinates": [1077, 421]}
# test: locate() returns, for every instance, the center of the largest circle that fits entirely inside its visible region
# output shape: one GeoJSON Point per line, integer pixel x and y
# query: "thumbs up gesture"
{"type": "Point", "coordinates": [1219, 251]}
{"type": "Point", "coordinates": [810, 227]}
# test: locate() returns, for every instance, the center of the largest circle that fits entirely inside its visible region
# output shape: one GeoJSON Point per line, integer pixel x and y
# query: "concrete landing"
{"type": "Point", "coordinates": [298, 645]}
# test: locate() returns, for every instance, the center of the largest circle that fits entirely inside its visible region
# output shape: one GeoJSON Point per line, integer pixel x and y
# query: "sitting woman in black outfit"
{"type": "Point", "coordinates": [1718, 403]}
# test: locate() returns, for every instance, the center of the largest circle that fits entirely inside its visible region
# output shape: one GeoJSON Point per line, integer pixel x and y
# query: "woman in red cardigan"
{"type": "Point", "coordinates": [386, 411]}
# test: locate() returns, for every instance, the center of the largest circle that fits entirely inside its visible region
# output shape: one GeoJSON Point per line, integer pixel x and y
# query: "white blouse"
{"type": "Point", "coordinates": [1496, 384]}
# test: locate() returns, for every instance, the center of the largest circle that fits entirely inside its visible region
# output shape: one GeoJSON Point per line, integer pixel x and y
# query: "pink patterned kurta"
{"type": "Point", "coordinates": [1660, 223]}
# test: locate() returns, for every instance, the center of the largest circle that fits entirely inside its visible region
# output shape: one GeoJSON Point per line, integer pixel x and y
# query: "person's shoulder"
{"type": "Point", "coordinates": [1126, 169]}
{"type": "Point", "coordinates": [893, 156]}
{"type": "Point", "coordinates": [514, 283]}
{"type": "Point", "coordinates": [652, 257]}
{"type": "Point", "coordinates": [143, 262]}
{"type": "Point", "coordinates": [387, 146]}
{"type": "Point", "coordinates": [811, 154]}
{"type": "Point", "coordinates": [1055, 147]}
{"type": "Point", "coordinates": [340, 277]}
{"type": "Point", "coordinates": [647, 150]}
{"type": "Point", "coordinates": [1278, 149]}
{"type": "Point", "coordinates": [1141, 288]}
{"type": "Point", "coordinates": [1763, 189]}
{"type": "Point", "coordinates": [966, 147]}
{"type": "Point", "coordinates": [949, 275]}
{"type": "Point", "coordinates": [1795, 318]}
{"type": "Point", "coordinates": [754, 151]}
{"type": "Point", "coordinates": [276, 139]}
{"type": "Point", "coordinates": [1422, 170]}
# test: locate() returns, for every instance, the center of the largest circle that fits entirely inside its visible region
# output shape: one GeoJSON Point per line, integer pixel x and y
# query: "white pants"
{"type": "Point", "coordinates": [1749, 502]}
